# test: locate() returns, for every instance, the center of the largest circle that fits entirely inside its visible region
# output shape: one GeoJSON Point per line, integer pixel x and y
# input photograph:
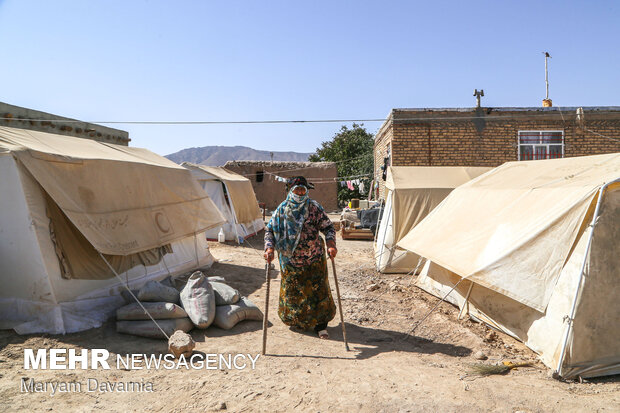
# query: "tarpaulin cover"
{"type": "Point", "coordinates": [123, 200]}
{"type": "Point", "coordinates": [512, 229]}
{"type": "Point", "coordinates": [54, 283]}
{"type": "Point", "coordinates": [593, 347]}
{"type": "Point", "coordinates": [240, 192]}
{"type": "Point", "coordinates": [414, 192]}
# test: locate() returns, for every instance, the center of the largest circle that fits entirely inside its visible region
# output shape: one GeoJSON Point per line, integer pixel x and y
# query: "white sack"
{"type": "Point", "coordinates": [157, 292]}
{"type": "Point", "coordinates": [224, 294]}
{"type": "Point", "coordinates": [198, 300]}
{"type": "Point", "coordinates": [227, 316]}
{"type": "Point", "coordinates": [150, 330]}
{"type": "Point", "coordinates": [159, 311]}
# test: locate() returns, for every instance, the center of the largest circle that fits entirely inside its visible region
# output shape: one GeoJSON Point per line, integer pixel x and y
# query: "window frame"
{"type": "Point", "coordinates": [533, 145]}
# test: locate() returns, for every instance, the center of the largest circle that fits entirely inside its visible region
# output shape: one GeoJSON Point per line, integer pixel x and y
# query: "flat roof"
{"type": "Point", "coordinates": [31, 119]}
{"type": "Point", "coordinates": [515, 109]}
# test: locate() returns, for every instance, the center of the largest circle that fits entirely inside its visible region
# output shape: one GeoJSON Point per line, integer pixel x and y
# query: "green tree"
{"type": "Point", "coordinates": [352, 149]}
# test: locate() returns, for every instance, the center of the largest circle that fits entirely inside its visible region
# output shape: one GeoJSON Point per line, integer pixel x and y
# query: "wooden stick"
{"type": "Point", "coordinates": [344, 331]}
{"type": "Point", "coordinates": [266, 317]}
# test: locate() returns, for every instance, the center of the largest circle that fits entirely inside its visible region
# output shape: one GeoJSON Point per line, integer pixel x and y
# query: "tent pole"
{"type": "Point", "coordinates": [466, 302]}
{"type": "Point", "coordinates": [415, 270]}
{"type": "Point", "coordinates": [378, 223]}
{"type": "Point", "coordinates": [386, 226]}
{"type": "Point", "coordinates": [234, 214]}
{"type": "Point", "coordinates": [195, 253]}
{"type": "Point", "coordinates": [569, 319]}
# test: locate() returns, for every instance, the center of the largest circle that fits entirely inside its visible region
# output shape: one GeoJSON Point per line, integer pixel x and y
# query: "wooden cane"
{"type": "Point", "coordinates": [265, 317]}
{"type": "Point", "coordinates": [344, 331]}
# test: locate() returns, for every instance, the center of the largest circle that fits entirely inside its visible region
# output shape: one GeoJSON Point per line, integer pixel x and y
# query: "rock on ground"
{"type": "Point", "coordinates": [181, 343]}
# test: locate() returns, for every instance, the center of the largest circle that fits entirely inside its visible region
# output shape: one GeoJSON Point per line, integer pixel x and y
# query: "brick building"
{"type": "Point", "coordinates": [491, 136]}
{"type": "Point", "coordinates": [24, 118]}
{"type": "Point", "coordinates": [272, 192]}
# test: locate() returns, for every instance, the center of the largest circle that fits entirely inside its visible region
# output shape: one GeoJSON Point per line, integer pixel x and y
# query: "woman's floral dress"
{"type": "Point", "coordinates": [305, 297]}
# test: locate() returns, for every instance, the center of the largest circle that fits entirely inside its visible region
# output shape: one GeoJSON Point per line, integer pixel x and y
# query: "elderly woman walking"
{"type": "Point", "coordinates": [305, 297]}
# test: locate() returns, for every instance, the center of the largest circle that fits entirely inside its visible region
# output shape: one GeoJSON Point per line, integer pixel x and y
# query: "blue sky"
{"type": "Point", "coordinates": [282, 60]}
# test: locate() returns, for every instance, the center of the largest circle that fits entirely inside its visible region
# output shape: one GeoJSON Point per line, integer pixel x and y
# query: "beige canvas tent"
{"type": "Point", "coordinates": [70, 207]}
{"type": "Point", "coordinates": [413, 192]}
{"type": "Point", "coordinates": [234, 197]}
{"type": "Point", "coordinates": [533, 250]}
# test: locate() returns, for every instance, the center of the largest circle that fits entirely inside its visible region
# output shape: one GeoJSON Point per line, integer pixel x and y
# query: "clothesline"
{"type": "Point", "coordinates": [351, 184]}
{"type": "Point", "coordinates": [321, 179]}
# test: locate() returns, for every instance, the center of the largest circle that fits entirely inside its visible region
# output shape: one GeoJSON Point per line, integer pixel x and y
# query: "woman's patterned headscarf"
{"type": "Point", "coordinates": [287, 221]}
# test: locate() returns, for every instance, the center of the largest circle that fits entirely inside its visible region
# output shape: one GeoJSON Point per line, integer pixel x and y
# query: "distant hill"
{"type": "Point", "coordinates": [219, 155]}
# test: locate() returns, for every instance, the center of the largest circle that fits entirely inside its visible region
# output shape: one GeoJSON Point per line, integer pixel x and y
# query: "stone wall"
{"type": "Point", "coordinates": [23, 118]}
{"type": "Point", "coordinates": [272, 192]}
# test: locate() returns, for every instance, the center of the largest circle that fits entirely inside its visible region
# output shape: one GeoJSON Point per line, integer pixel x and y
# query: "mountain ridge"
{"type": "Point", "coordinates": [218, 155]}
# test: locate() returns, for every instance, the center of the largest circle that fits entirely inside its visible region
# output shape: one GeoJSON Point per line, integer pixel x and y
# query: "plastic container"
{"type": "Point", "coordinates": [221, 237]}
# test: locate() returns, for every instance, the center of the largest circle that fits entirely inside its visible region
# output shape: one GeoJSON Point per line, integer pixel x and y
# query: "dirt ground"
{"type": "Point", "coordinates": [387, 370]}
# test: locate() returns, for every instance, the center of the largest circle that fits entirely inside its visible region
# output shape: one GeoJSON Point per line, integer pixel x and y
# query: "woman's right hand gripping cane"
{"type": "Point", "coordinates": [269, 255]}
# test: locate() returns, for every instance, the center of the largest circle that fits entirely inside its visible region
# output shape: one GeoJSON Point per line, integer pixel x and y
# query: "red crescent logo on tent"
{"type": "Point", "coordinates": [162, 222]}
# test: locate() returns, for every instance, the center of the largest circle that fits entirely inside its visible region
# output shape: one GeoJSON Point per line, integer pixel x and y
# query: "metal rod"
{"type": "Point", "coordinates": [546, 79]}
{"type": "Point", "coordinates": [344, 330]}
{"type": "Point", "coordinates": [382, 249]}
{"type": "Point", "coordinates": [415, 270]}
{"type": "Point", "coordinates": [547, 56]}
{"type": "Point", "coordinates": [581, 274]}
{"type": "Point", "coordinates": [466, 302]}
{"type": "Point", "coordinates": [266, 315]}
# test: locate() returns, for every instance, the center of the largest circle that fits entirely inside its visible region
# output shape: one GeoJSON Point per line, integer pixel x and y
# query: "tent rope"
{"type": "Point", "coordinates": [254, 249]}
{"type": "Point", "coordinates": [132, 294]}
{"type": "Point", "coordinates": [434, 308]}
{"type": "Point", "coordinates": [195, 251]}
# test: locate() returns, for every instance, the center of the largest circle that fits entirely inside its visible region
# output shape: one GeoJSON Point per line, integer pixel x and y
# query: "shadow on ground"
{"type": "Point", "coordinates": [367, 342]}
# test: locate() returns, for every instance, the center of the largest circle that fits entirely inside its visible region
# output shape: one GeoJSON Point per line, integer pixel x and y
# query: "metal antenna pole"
{"type": "Point", "coordinates": [547, 56]}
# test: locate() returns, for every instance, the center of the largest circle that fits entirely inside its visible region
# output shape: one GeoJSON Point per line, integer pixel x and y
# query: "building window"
{"type": "Point", "coordinates": [259, 176]}
{"type": "Point", "coordinates": [543, 144]}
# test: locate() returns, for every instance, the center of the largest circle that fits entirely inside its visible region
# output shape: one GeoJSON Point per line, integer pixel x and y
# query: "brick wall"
{"type": "Point", "coordinates": [272, 192]}
{"type": "Point", "coordinates": [383, 141]}
{"type": "Point", "coordinates": [488, 137]}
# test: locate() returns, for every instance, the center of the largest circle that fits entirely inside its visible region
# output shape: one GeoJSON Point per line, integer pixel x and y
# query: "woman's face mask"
{"type": "Point", "coordinates": [299, 193]}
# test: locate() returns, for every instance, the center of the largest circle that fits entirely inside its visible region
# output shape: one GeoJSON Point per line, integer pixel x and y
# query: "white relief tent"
{"type": "Point", "coordinates": [234, 197]}
{"type": "Point", "coordinates": [69, 207]}
{"type": "Point", "coordinates": [412, 193]}
{"type": "Point", "coordinates": [532, 248]}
